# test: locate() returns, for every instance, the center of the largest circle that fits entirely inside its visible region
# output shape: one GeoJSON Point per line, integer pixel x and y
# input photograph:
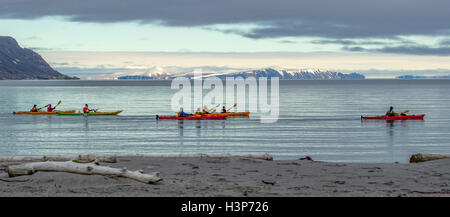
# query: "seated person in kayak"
{"type": "Point", "coordinates": [182, 113]}
{"type": "Point", "coordinates": [224, 110]}
{"type": "Point", "coordinates": [87, 110]}
{"type": "Point", "coordinates": [391, 112]}
{"type": "Point", "coordinates": [35, 109]}
{"type": "Point", "coordinates": [205, 110]}
{"type": "Point", "coordinates": [50, 108]}
{"type": "Point", "coordinates": [198, 111]}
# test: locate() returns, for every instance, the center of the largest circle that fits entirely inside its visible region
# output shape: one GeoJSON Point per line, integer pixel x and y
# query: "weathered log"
{"type": "Point", "coordinates": [6, 180]}
{"type": "Point", "coordinates": [79, 158]}
{"type": "Point", "coordinates": [417, 158]}
{"type": "Point", "coordinates": [261, 157]}
{"type": "Point", "coordinates": [80, 168]}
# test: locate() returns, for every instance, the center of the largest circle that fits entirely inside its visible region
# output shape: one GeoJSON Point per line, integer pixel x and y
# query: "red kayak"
{"type": "Point", "coordinates": [397, 117]}
{"type": "Point", "coordinates": [193, 117]}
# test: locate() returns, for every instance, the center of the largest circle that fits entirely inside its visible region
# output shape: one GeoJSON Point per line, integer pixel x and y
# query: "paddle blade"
{"type": "Point", "coordinates": [232, 107]}
{"type": "Point", "coordinates": [406, 111]}
{"type": "Point", "coordinates": [59, 102]}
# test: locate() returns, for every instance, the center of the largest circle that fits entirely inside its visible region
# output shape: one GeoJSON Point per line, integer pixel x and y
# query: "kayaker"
{"type": "Point", "coordinates": [34, 109]}
{"type": "Point", "coordinates": [182, 113]}
{"type": "Point", "coordinates": [50, 108]}
{"type": "Point", "coordinates": [86, 109]}
{"type": "Point", "coordinates": [198, 111]}
{"type": "Point", "coordinates": [224, 110]}
{"type": "Point", "coordinates": [205, 110]}
{"type": "Point", "coordinates": [391, 112]}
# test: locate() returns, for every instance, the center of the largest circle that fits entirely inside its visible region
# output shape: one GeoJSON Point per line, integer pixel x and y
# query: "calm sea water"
{"type": "Point", "coordinates": [317, 118]}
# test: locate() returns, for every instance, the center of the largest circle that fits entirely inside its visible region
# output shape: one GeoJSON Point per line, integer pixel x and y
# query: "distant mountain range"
{"type": "Point", "coordinates": [302, 74]}
{"type": "Point", "coordinates": [423, 77]}
{"type": "Point", "coordinates": [18, 63]}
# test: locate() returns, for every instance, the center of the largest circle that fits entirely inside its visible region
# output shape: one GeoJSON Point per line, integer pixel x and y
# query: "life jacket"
{"type": "Point", "coordinates": [392, 113]}
{"type": "Point", "coordinates": [85, 109]}
{"type": "Point", "coordinates": [34, 110]}
{"type": "Point", "coordinates": [50, 109]}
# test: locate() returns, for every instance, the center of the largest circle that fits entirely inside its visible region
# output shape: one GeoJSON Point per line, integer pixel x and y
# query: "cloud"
{"type": "Point", "coordinates": [287, 42]}
{"type": "Point", "coordinates": [33, 38]}
{"type": "Point", "coordinates": [415, 50]}
{"type": "Point", "coordinates": [40, 48]}
{"type": "Point", "coordinates": [374, 73]}
{"type": "Point", "coordinates": [445, 42]}
{"type": "Point", "coordinates": [321, 18]}
{"type": "Point", "coordinates": [355, 48]}
{"type": "Point", "coordinates": [348, 42]}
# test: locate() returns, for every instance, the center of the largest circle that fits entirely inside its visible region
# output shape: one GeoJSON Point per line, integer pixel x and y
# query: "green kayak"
{"type": "Point", "coordinates": [92, 113]}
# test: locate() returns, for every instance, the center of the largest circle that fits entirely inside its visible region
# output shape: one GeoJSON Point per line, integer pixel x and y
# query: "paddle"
{"type": "Point", "coordinates": [406, 111]}
{"type": "Point", "coordinates": [42, 107]}
{"type": "Point", "coordinates": [59, 102]}
{"type": "Point", "coordinates": [213, 108]}
{"type": "Point", "coordinates": [232, 107]}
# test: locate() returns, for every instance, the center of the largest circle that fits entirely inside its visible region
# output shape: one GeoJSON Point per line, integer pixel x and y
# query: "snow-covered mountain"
{"type": "Point", "coordinates": [301, 74]}
{"type": "Point", "coordinates": [285, 74]}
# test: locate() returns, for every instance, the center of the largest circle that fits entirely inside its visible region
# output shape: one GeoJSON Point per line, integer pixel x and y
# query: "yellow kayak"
{"type": "Point", "coordinates": [230, 114]}
{"type": "Point", "coordinates": [43, 112]}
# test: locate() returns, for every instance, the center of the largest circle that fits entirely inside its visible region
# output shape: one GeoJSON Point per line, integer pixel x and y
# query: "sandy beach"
{"type": "Point", "coordinates": [239, 176]}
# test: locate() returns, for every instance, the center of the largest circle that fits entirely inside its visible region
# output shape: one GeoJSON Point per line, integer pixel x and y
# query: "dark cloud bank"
{"type": "Point", "coordinates": [330, 19]}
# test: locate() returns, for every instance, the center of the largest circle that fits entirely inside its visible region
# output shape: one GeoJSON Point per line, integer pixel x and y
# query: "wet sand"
{"type": "Point", "coordinates": [238, 176]}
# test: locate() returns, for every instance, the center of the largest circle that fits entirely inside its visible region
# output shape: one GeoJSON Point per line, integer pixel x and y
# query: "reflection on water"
{"type": "Point", "coordinates": [199, 125]}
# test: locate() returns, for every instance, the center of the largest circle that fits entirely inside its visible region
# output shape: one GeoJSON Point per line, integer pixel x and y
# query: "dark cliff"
{"type": "Point", "coordinates": [18, 63]}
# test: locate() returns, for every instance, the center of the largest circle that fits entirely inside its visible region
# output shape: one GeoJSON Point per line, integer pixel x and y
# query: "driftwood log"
{"type": "Point", "coordinates": [417, 158]}
{"type": "Point", "coordinates": [80, 168]}
{"type": "Point", "coordinates": [80, 158]}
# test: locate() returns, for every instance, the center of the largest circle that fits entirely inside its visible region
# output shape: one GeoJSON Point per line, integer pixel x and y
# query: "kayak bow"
{"type": "Point", "coordinates": [397, 117]}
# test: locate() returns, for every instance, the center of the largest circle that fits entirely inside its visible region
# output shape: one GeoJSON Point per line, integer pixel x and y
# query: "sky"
{"type": "Point", "coordinates": [89, 38]}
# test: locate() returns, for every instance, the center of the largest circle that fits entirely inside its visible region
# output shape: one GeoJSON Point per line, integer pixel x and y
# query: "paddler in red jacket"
{"type": "Point", "coordinates": [86, 109]}
{"type": "Point", "coordinates": [205, 110]}
{"type": "Point", "coordinates": [50, 108]}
